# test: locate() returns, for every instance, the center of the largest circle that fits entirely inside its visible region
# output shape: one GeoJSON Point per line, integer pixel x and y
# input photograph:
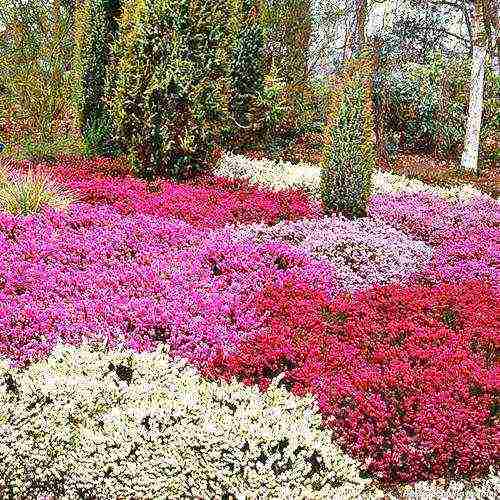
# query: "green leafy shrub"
{"type": "Point", "coordinates": [24, 194]}
{"type": "Point", "coordinates": [349, 151]}
{"type": "Point", "coordinates": [168, 84]}
{"type": "Point", "coordinates": [95, 29]}
{"type": "Point", "coordinates": [426, 105]}
{"type": "Point", "coordinates": [36, 116]}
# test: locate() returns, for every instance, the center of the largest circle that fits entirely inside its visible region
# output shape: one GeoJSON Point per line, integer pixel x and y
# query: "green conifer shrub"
{"type": "Point", "coordinates": [95, 29]}
{"type": "Point", "coordinates": [350, 151]}
{"type": "Point", "coordinates": [168, 84]}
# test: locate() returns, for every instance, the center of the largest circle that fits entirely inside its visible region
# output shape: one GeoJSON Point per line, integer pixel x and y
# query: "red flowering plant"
{"type": "Point", "coordinates": [406, 377]}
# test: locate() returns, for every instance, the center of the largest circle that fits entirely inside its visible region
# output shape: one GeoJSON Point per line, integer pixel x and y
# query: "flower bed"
{"type": "Point", "coordinates": [367, 250]}
{"type": "Point", "coordinates": [93, 272]}
{"type": "Point", "coordinates": [285, 175]}
{"type": "Point", "coordinates": [121, 425]}
{"type": "Point", "coordinates": [249, 282]}
{"type": "Point", "coordinates": [405, 376]}
{"type": "Point", "coordinates": [209, 202]}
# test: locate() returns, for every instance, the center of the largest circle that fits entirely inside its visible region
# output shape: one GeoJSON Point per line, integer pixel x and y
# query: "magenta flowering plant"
{"type": "Point", "coordinates": [464, 235]}
{"type": "Point", "coordinates": [432, 219]}
{"type": "Point", "coordinates": [406, 376]}
{"type": "Point", "coordinates": [137, 279]}
{"type": "Point", "coordinates": [367, 251]}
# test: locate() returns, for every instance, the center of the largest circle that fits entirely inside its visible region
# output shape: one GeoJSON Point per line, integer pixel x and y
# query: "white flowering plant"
{"type": "Point", "coordinates": [89, 423]}
{"type": "Point", "coordinates": [286, 175]}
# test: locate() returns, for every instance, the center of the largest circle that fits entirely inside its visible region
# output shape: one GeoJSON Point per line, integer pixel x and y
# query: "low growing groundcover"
{"type": "Point", "coordinates": [248, 337]}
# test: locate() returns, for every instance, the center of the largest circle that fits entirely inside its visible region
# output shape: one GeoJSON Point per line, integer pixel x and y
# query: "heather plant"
{"type": "Point", "coordinates": [95, 29]}
{"type": "Point", "coordinates": [211, 203]}
{"type": "Point", "coordinates": [24, 194]}
{"type": "Point", "coordinates": [349, 151]}
{"type": "Point", "coordinates": [367, 251]}
{"type": "Point", "coordinates": [168, 84]}
{"type": "Point", "coordinates": [99, 424]}
{"type": "Point", "coordinates": [285, 175]}
{"type": "Point", "coordinates": [168, 281]}
{"type": "Point", "coordinates": [475, 254]}
{"type": "Point", "coordinates": [406, 376]}
{"type": "Point", "coordinates": [434, 220]}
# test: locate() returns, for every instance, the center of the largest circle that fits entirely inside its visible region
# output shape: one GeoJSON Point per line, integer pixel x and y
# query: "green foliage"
{"type": "Point", "coordinates": [29, 193]}
{"type": "Point", "coordinates": [287, 32]}
{"type": "Point", "coordinates": [426, 105]}
{"type": "Point", "coordinates": [168, 84]}
{"type": "Point", "coordinates": [95, 30]}
{"type": "Point", "coordinates": [35, 48]}
{"type": "Point", "coordinates": [349, 151]}
{"type": "Point", "coordinates": [247, 60]}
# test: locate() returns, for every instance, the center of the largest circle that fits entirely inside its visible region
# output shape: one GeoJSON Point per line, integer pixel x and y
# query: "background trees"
{"type": "Point", "coordinates": [280, 57]}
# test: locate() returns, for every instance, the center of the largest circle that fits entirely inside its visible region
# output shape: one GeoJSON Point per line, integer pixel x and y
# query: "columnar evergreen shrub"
{"type": "Point", "coordinates": [168, 83]}
{"type": "Point", "coordinates": [349, 154]}
{"type": "Point", "coordinates": [95, 28]}
{"type": "Point", "coordinates": [247, 58]}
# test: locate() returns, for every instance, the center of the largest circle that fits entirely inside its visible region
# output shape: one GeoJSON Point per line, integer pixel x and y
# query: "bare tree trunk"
{"type": "Point", "coordinates": [471, 146]}
{"type": "Point", "coordinates": [355, 35]}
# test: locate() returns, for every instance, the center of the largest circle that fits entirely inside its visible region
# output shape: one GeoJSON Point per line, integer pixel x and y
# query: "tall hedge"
{"type": "Point", "coordinates": [350, 151]}
{"type": "Point", "coordinates": [95, 29]}
{"type": "Point", "coordinates": [168, 83]}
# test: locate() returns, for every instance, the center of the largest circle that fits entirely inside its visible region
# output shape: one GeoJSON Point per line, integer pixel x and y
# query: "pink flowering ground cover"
{"type": "Point", "coordinates": [397, 321]}
{"type": "Point", "coordinates": [209, 202]}
{"type": "Point", "coordinates": [406, 376]}
{"type": "Point", "coordinates": [465, 236]}
{"type": "Point", "coordinates": [138, 279]}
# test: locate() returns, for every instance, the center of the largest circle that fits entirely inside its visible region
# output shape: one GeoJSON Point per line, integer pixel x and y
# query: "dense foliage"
{"type": "Point", "coordinates": [177, 319]}
{"type": "Point", "coordinates": [246, 68]}
{"type": "Point", "coordinates": [118, 423]}
{"type": "Point", "coordinates": [425, 107]}
{"type": "Point", "coordinates": [36, 117]}
{"type": "Point", "coordinates": [168, 84]}
{"type": "Point", "coordinates": [287, 31]}
{"type": "Point", "coordinates": [349, 156]}
{"type": "Point", "coordinates": [394, 340]}
{"type": "Point", "coordinates": [95, 29]}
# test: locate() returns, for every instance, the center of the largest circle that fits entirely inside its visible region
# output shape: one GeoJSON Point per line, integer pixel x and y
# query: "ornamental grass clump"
{"type": "Point", "coordinates": [27, 193]}
{"type": "Point", "coordinates": [88, 423]}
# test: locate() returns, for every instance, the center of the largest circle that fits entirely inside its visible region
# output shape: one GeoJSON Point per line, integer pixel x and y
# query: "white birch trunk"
{"type": "Point", "coordinates": [471, 145]}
